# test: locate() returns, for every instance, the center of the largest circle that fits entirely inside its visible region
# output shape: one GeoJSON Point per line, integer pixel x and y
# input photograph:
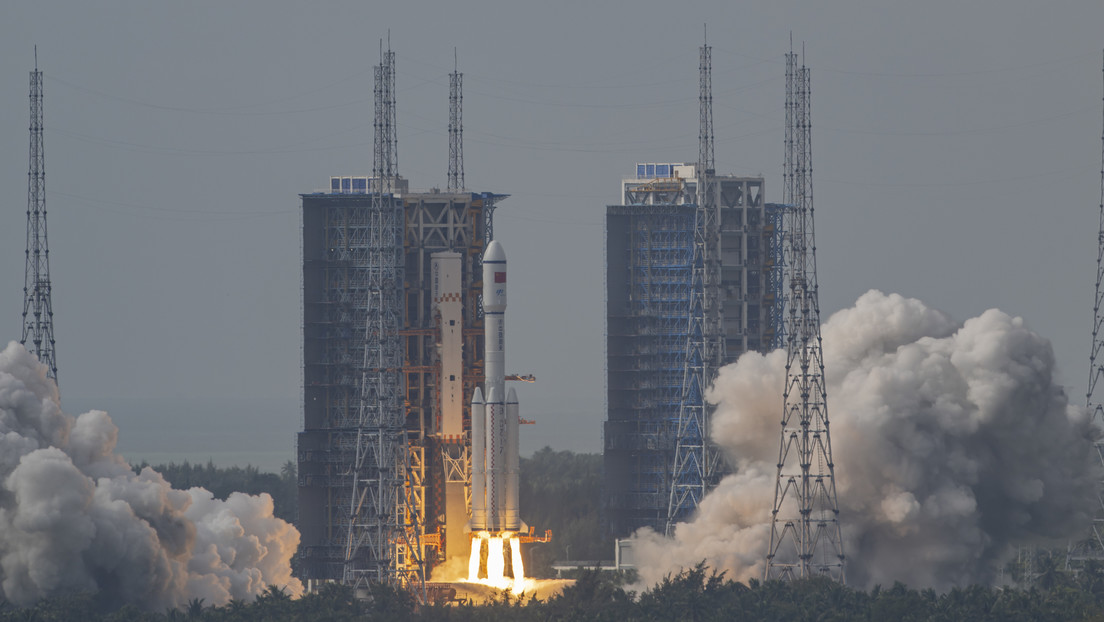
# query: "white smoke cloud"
{"type": "Point", "coordinates": [952, 444]}
{"type": "Point", "coordinates": [74, 517]}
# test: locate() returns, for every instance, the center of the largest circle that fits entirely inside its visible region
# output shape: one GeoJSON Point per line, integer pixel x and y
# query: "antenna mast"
{"type": "Point", "coordinates": [805, 537]}
{"type": "Point", "coordinates": [456, 128]}
{"type": "Point", "coordinates": [696, 468]}
{"type": "Point", "coordinates": [38, 313]}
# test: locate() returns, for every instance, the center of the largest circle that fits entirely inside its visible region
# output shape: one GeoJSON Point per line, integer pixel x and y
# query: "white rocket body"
{"type": "Point", "coordinates": [494, 430]}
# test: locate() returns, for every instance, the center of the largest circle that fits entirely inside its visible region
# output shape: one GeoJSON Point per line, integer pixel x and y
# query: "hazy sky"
{"type": "Point", "coordinates": [956, 151]}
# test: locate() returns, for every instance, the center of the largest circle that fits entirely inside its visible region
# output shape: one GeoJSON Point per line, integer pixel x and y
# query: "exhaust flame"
{"type": "Point", "coordinates": [519, 569]}
{"type": "Point", "coordinates": [496, 563]}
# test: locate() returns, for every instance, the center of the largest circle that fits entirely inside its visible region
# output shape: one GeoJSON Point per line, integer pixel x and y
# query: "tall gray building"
{"type": "Point", "coordinates": [649, 252]}
{"type": "Point", "coordinates": [439, 344]}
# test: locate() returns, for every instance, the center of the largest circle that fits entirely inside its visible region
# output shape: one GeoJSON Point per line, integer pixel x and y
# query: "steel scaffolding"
{"type": "Point", "coordinates": [336, 249]}
{"type": "Point", "coordinates": [696, 467]}
{"type": "Point", "coordinates": [805, 538]}
{"type": "Point", "coordinates": [38, 310]}
{"type": "Point", "coordinates": [456, 128]}
{"type": "Point", "coordinates": [379, 467]}
{"type": "Point", "coordinates": [774, 267]}
{"type": "Point", "coordinates": [647, 353]}
{"type": "Point", "coordinates": [384, 528]}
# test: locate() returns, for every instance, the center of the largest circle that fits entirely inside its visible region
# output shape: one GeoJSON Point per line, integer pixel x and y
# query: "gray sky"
{"type": "Point", "coordinates": [956, 151]}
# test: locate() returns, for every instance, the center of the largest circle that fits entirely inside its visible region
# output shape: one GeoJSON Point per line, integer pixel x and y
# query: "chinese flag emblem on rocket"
{"type": "Point", "coordinates": [500, 277]}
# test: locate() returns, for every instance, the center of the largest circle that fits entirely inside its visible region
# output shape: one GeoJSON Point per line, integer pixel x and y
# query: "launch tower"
{"type": "Point", "coordinates": [392, 352]}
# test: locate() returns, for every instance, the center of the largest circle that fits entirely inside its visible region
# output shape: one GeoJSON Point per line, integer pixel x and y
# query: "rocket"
{"type": "Point", "coordinates": [494, 413]}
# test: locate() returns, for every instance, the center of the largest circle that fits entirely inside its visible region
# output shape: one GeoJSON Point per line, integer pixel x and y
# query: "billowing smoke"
{"type": "Point", "coordinates": [74, 516]}
{"type": "Point", "coordinates": [953, 444]}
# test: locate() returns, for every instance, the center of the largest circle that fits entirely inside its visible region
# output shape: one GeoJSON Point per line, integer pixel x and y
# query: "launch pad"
{"type": "Point", "coordinates": [470, 593]}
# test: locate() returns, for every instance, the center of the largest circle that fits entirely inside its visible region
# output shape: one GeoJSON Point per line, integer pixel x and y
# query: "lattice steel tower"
{"type": "Point", "coordinates": [38, 311]}
{"type": "Point", "coordinates": [1092, 547]}
{"type": "Point", "coordinates": [697, 463]}
{"type": "Point", "coordinates": [383, 533]}
{"type": "Point", "coordinates": [456, 128]}
{"type": "Point", "coordinates": [805, 537]}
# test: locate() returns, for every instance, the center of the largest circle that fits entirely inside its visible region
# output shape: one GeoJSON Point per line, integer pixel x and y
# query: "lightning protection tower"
{"type": "Point", "coordinates": [697, 464]}
{"type": "Point", "coordinates": [1091, 548]}
{"type": "Point", "coordinates": [456, 128]}
{"type": "Point", "coordinates": [805, 538]}
{"type": "Point", "coordinates": [38, 311]}
{"type": "Point", "coordinates": [382, 544]}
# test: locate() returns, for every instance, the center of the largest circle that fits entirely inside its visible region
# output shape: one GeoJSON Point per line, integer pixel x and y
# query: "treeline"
{"type": "Point", "coordinates": [695, 595]}
{"type": "Point", "coordinates": [222, 481]}
{"type": "Point", "coordinates": [561, 490]}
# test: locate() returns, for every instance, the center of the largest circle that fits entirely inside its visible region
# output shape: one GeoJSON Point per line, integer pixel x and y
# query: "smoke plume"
{"type": "Point", "coordinates": [75, 517]}
{"type": "Point", "coordinates": [953, 444]}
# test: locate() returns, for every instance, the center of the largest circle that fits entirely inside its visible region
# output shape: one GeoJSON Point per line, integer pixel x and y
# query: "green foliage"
{"type": "Point", "coordinates": [592, 597]}
{"type": "Point", "coordinates": [222, 481]}
{"type": "Point", "coordinates": [560, 490]}
{"type": "Point", "coordinates": [697, 594]}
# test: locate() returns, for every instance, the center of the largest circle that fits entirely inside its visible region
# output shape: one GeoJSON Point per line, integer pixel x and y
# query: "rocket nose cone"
{"type": "Point", "coordinates": [494, 252]}
{"type": "Point", "coordinates": [477, 396]}
{"type": "Point", "coordinates": [492, 395]}
{"type": "Point", "coordinates": [511, 396]}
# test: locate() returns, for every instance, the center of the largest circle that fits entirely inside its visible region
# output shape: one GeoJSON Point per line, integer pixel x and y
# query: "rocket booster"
{"type": "Point", "coordinates": [494, 427]}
